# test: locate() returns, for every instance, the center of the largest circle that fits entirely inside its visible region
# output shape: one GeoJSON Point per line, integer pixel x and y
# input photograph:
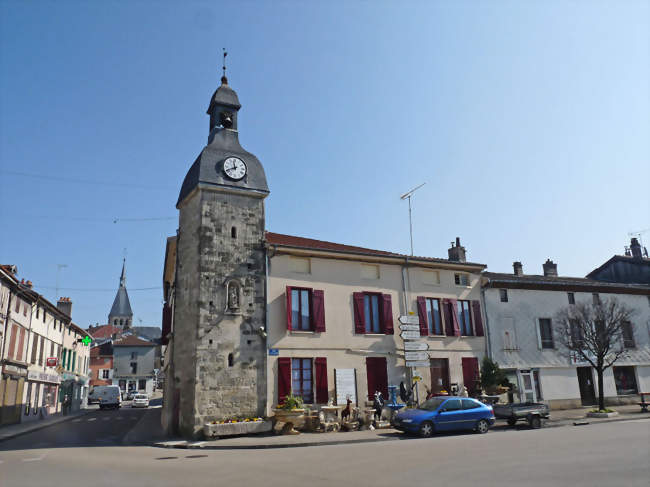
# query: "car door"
{"type": "Point", "coordinates": [450, 415]}
{"type": "Point", "coordinates": [472, 412]}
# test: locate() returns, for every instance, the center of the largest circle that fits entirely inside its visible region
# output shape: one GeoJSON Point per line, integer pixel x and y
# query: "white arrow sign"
{"type": "Point", "coordinates": [409, 320]}
{"type": "Point", "coordinates": [410, 335]}
{"type": "Point", "coordinates": [409, 327]}
{"type": "Point", "coordinates": [416, 346]}
{"type": "Point", "coordinates": [418, 364]}
{"type": "Point", "coordinates": [416, 355]}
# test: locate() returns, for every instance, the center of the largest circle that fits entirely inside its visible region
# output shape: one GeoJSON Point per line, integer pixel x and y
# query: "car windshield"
{"type": "Point", "coordinates": [432, 404]}
{"type": "Point", "coordinates": [140, 396]}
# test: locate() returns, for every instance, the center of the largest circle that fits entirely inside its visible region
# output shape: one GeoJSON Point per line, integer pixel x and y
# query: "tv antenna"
{"type": "Point", "coordinates": [405, 196]}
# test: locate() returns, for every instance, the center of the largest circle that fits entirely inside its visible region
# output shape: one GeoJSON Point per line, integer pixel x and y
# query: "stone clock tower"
{"type": "Point", "coordinates": [219, 349]}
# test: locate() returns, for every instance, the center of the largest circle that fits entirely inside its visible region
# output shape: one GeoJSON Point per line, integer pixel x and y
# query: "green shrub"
{"type": "Point", "coordinates": [292, 402]}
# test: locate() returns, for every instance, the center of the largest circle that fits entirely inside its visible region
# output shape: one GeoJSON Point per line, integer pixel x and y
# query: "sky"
{"type": "Point", "coordinates": [529, 122]}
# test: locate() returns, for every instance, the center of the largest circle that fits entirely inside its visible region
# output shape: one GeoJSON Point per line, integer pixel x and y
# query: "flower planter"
{"type": "Point", "coordinates": [211, 430]}
{"type": "Point", "coordinates": [591, 414]}
{"type": "Point", "coordinates": [289, 420]}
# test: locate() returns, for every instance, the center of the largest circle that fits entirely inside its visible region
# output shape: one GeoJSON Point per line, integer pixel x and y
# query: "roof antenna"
{"type": "Point", "coordinates": [224, 80]}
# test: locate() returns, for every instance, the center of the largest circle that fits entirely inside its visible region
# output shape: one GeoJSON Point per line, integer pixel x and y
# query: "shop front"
{"type": "Point", "coordinates": [40, 397]}
{"type": "Point", "coordinates": [11, 393]}
{"type": "Point", "coordinates": [72, 393]}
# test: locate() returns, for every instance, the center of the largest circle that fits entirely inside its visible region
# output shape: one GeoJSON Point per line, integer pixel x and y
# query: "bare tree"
{"type": "Point", "coordinates": [596, 334]}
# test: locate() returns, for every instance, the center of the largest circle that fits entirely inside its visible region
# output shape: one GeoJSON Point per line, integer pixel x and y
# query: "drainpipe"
{"type": "Point", "coordinates": [488, 342]}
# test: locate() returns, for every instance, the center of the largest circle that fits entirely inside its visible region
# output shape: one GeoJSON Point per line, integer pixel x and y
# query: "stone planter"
{"type": "Point", "coordinates": [241, 428]}
{"type": "Point", "coordinates": [591, 414]}
{"type": "Point", "coordinates": [288, 421]}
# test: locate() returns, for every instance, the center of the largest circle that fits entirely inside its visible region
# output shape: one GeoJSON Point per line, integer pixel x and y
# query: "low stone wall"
{"type": "Point", "coordinates": [232, 429]}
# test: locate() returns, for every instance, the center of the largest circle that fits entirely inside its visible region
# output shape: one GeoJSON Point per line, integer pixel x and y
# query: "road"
{"type": "Point", "coordinates": [90, 453]}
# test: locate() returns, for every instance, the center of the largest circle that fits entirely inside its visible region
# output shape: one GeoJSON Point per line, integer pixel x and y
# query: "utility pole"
{"type": "Point", "coordinates": [408, 195]}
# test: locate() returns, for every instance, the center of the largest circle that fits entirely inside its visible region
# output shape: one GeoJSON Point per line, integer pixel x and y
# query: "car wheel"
{"type": "Point", "coordinates": [535, 422]}
{"type": "Point", "coordinates": [482, 426]}
{"type": "Point", "coordinates": [426, 429]}
{"type": "Point", "coordinates": [512, 421]}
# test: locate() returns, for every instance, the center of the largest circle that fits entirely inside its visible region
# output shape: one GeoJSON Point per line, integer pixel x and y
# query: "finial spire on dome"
{"type": "Point", "coordinates": [123, 275]}
{"type": "Point", "coordinates": [224, 80]}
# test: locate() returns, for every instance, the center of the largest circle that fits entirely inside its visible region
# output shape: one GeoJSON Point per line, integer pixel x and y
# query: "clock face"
{"type": "Point", "coordinates": [234, 168]}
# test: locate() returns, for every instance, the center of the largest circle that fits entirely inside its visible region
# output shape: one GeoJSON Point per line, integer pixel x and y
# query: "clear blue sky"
{"type": "Point", "coordinates": [529, 122]}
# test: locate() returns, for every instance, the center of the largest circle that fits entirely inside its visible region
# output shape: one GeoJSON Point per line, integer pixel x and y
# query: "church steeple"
{"type": "Point", "coordinates": [121, 314]}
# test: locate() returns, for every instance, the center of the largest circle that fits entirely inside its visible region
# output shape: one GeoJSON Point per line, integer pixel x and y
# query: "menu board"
{"type": "Point", "coordinates": [346, 386]}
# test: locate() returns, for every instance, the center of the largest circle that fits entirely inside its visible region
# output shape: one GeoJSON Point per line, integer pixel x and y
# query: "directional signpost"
{"type": "Point", "coordinates": [409, 327]}
{"type": "Point", "coordinates": [416, 346]}
{"type": "Point", "coordinates": [423, 363]}
{"type": "Point", "coordinates": [415, 351]}
{"type": "Point", "coordinates": [411, 356]}
{"type": "Point", "coordinates": [409, 320]}
{"type": "Point", "coordinates": [410, 335]}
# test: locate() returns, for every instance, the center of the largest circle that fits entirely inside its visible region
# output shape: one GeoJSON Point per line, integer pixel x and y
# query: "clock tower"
{"type": "Point", "coordinates": [219, 350]}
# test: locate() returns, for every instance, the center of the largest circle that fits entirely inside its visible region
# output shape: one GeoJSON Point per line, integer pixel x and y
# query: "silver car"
{"type": "Point", "coordinates": [140, 401]}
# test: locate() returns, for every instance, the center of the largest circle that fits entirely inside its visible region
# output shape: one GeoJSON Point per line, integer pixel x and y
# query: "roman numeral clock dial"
{"type": "Point", "coordinates": [234, 168]}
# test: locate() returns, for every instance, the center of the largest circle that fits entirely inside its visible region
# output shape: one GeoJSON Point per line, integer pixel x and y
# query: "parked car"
{"type": "Point", "coordinates": [109, 396]}
{"type": "Point", "coordinates": [532, 412]}
{"type": "Point", "coordinates": [140, 401]}
{"type": "Point", "coordinates": [445, 414]}
{"type": "Point", "coordinates": [130, 395]}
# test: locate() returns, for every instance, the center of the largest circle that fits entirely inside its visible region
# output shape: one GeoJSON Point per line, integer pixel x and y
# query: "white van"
{"type": "Point", "coordinates": [108, 396]}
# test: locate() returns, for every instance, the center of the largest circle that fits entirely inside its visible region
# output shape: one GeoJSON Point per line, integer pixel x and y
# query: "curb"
{"type": "Point", "coordinates": [200, 445]}
{"type": "Point", "coordinates": [38, 426]}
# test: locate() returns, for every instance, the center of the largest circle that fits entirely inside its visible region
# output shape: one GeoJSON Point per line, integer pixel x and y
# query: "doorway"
{"type": "Point", "coordinates": [586, 384]}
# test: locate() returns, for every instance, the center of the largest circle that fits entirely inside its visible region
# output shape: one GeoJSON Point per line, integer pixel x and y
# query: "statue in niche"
{"type": "Point", "coordinates": [233, 296]}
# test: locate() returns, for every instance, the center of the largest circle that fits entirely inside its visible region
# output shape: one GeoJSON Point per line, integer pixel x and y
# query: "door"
{"type": "Point", "coordinates": [377, 377]}
{"type": "Point", "coordinates": [470, 374]}
{"type": "Point", "coordinates": [528, 392]}
{"type": "Point", "coordinates": [586, 384]}
{"type": "Point", "coordinates": [450, 416]}
{"type": "Point", "coordinates": [439, 375]}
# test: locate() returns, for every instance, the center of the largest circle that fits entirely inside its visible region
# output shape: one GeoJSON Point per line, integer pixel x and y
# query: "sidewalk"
{"type": "Point", "coordinates": [570, 417]}
{"type": "Point", "coordinates": [13, 430]}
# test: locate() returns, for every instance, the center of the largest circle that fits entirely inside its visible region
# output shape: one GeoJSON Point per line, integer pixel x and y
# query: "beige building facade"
{"type": "Point", "coordinates": [333, 321]}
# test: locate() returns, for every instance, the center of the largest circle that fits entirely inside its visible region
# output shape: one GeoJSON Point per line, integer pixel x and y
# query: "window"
{"type": "Point", "coordinates": [452, 405]}
{"type": "Point", "coordinates": [28, 402]}
{"type": "Point", "coordinates": [134, 367]}
{"type": "Point", "coordinates": [625, 380]}
{"type": "Point", "coordinates": [38, 310]}
{"type": "Point", "coordinates": [433, 316]}
{"type": "Point", "coordinates": [233, 232]}
{"type": "Point", "coordinates": [464, 318]}
{"type": "Point", "coordinates": [17, 308]}
{"type": "Point", "coordinates": [300, 306]}
{"type": "Point", "coordinates": [470, 404]}
{"type": "Point", "coordinates": [134, 355]}
{"type": "Point", "coordinates": [439, 375]}
{"type": "Point", "coordinates": [371, 312]}
{"type": "Point", "coordinates": [628, 335]}
{"type": "Point", "coordinates": [142, 384]}
{"type": "Point", "coordinates": [461, 279]}
{"type": "Point", "coordinates": [44, 315]}
{"type": "Point", "coordinates": [503, 293]}
{"type": "Point", "coordinates": [40, 356]}
{"type": "Point", "coordinates": [546, 333]}
{"type": "Point", "coordinates": [299, 265]}
{"type": "Point", "coordinates": [572, 298]}
{"type": "Point", "coordinates": [34, 349]}
{"type": "Point", "coordinates": [430, 277]}
{"type": "Point", "coordinates": [369, 271]}
{"type": "Point", "coordinates": [577, 337]}
{"type": "Point", "coordinates": [301, 379]}
{"type": "Point", "coordinates": [231, 360]}
{"type": "Point", "coordinates": [38, 388]}
{"type": "Point", "coordinates": [25, 309]}
{"type": "Point", "coordinates": [115, 322]}
{"type": "Point", "coordinates": [596, 299]}
{"type": "Point", "coordinates": [106, 374]}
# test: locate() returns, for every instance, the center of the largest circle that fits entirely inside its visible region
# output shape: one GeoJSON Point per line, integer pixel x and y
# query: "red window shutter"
{"type": "Point", "coordinates": [289, 308]}
{"type": "Point", "coordinates": [478, 320]}
{"type": "Point", "coordinates": [318, 311]}
{"type": "Point", "coordinates": [470, 373]}
{"type": "Point", "coordinates": [12, 341]}
{"type": "Point", "coordinates": [387, 314]}
{"type": "Point", "coordinates": [422, 314]}
{"type": "Point", "coordinates": [321, 380]}
{"type": "Point", "coordinates": [453, 311]}
{"type": "Point", "coordinates": [359, 318]}
{"type": "Point", "coordinates": [377, 377]}
{"type": "Point", "coordinates": [284, 378]}
{"type": "Point", "coordinates": [21, 342]}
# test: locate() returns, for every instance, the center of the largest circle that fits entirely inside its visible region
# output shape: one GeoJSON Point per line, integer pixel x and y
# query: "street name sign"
{"type": "Point", "coordinates": [416, 356]}
{"type": "Point", "coordinates": [410, 335]}
{"type": "Point", "coordinates": [409, 327]}
{"type": "Point", "coordinates": [422, 363]}
{"type": "Point", "coordinates": [416, 346]}
{"type": "Point", "coordinates": [409, 320]}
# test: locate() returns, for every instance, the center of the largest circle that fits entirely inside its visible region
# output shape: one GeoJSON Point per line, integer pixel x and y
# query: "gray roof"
{"type": "Point", "coordinates": [223, 143]}
{"type": "Point", "coordinates": [560, 283]}
{"type": "Point", "coordinates": [121, 305]}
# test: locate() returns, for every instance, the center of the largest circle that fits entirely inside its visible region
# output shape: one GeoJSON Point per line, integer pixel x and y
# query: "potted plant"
{"type": "Point", "coordinates": [292, 410]}
{"type": "Point", "coordinates": [493, 379]}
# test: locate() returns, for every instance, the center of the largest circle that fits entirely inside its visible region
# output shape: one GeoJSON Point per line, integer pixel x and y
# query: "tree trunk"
{"type": "Point", "coordinates": [601, 393]}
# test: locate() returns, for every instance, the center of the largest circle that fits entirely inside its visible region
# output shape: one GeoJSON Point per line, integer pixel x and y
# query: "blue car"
{"type": "Point", "coordinates": [445, 414]}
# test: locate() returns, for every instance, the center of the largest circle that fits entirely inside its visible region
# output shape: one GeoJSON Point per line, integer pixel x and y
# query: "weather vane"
{"type": "Point", "coordinates": [223, 78]}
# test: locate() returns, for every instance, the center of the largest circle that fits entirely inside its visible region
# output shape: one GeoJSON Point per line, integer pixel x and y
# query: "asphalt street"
{"type": "Point", "coordinates": [89, 453]}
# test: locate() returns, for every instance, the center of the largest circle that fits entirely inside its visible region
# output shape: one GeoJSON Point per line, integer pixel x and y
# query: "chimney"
{"type": "Point", "coordinates": [457, 251]}
{"type": "Point", "coordinates": [519, 269]}
{"type": "Point", "coordinates": [29, 284]}
{"type": "Point", "coordinates": [550, 269]}
{"type": "Point", "coordinates": [65, 306]}
{"type": "Point", "coordinates": [635, 248]}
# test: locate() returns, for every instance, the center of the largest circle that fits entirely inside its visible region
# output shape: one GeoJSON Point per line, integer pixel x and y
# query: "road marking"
{"type": "Point", "coordinates": [92, 419]}
{"type": "Point", "coordinates": [35, 459]}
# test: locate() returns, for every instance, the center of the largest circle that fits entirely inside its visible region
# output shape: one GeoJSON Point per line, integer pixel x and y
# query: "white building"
{"type": "Point", "coordinates": [133, 361]}
{"type": "Point", "coordinates": [519, 312]}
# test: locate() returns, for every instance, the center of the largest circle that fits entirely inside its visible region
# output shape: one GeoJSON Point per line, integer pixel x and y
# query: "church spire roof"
{"type": "Point", "coordinates": [121, 309]}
